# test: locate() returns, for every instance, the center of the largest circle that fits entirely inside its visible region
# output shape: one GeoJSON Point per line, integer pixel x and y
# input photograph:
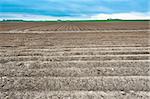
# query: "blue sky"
{"type": "Point", "coordinates": [74, 9]}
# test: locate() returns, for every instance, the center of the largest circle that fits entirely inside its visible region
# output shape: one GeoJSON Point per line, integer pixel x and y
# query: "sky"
{"type": "Point", "coordinates": [74, 9]}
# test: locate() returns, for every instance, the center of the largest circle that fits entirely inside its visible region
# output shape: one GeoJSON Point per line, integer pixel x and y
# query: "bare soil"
{"type": "Point", "coordinates": [74, 65]}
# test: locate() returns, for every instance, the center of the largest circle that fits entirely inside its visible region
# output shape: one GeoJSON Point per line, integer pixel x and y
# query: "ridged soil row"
{"type": "Point", "coordinates": [76, 72]}
{"type": "Point", "coordinates": [75, 42]}
{"type": "Point", "coordinates": [73, 64]}
{"type": "Point", "coordinates": [104, 83]}
{"type": "Point", "coordinates": [75, 58]}
{"type": "Point", "coordinates": [75, 95]}
{"type": "Point", "coordinates": [71, 49]}
{"type": "Point", "coordinates": [73, 53]}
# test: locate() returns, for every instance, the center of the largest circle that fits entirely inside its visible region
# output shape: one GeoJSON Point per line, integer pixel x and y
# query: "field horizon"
{"type": "Point", "coordinates": [108, 20]}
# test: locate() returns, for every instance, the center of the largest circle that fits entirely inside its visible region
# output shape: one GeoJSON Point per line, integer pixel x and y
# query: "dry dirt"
{"type": "Point", "coordinates": [99, 61]}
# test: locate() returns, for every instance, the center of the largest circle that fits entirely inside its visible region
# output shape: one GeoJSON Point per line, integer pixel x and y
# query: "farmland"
{"type": "Point", "coordinates": [72, 26]}
{"type": "Point", "coordinates": [74, 60]}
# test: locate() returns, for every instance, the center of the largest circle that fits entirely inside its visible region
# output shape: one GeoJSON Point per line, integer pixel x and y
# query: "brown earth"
{"type": "Point", "coordinates": [72, 26]}
{"type": "Point", "coordinates": [74, 65]}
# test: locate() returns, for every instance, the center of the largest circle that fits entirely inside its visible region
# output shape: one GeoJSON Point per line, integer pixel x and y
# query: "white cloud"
{"type": "Point", "coordinates": [16, 16]}
{"type": "Point", "coordinates": [131, 15]}
{"type": "Point", "coordinates": [25, 16]}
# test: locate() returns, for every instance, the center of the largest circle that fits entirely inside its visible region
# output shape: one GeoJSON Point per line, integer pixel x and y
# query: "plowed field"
{"type": "Point", "coordinates": [75, 60]}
